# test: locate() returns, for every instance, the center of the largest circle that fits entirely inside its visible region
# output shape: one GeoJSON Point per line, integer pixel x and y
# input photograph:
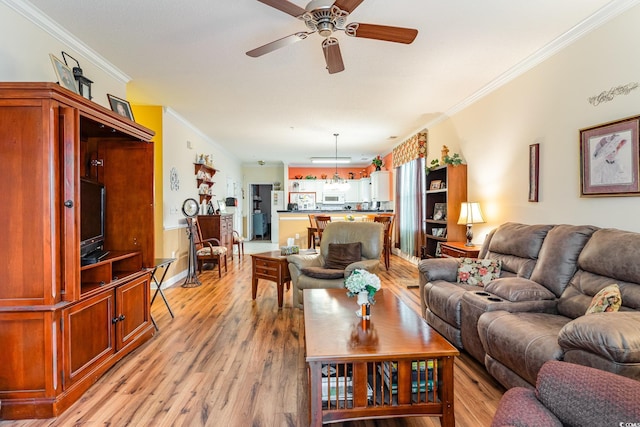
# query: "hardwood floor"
{"type": "Point", "coordinates": [226, 360]}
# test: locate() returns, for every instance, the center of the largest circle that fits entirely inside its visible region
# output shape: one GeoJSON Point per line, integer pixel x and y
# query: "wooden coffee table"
{"type": "Point", "coordinates": [394, 365]}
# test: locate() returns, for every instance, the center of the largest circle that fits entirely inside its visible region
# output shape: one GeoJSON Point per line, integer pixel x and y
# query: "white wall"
{"type": "Point", "coordinates": [178, 136]}
{"type": "Point", "coordinates": [25, 49]}
{"type": "Point", "coordinates": [548, 105]}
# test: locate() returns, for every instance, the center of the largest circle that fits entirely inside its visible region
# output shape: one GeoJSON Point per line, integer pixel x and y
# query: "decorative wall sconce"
{"type": "Point", "coordinates": [84, 84]}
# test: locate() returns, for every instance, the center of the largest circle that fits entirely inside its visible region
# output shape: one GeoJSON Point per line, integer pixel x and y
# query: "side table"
{"type": "Point", "coordinates": [270, 266]}
{"type": "Point", "coordinates": [459, 250]}
{"type": "Point", "coordinates": [158, 263]}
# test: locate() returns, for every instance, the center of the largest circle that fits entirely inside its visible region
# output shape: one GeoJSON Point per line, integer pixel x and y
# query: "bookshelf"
{"type": "Point", "coordinates": [446, 189]}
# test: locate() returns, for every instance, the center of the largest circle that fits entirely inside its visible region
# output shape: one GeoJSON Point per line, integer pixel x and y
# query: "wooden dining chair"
{"type": "Point", "coordinates": [238, 241]}
{"type": "Point", "coordinates": [312, 232]}
{"type": "Point", "coordinates": [387, 221]}
{"type": "Point", "coordinates": [321, 223]}
{"type": "Point", "coordinates": [207, 250]}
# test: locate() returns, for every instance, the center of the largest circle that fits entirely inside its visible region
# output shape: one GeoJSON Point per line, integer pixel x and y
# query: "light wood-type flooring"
{"type": "Point", "coordinates": [226, 360]}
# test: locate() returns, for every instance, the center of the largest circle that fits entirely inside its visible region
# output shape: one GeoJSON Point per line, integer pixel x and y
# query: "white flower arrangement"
{"type": "Point", "coordinates": [362, 281]}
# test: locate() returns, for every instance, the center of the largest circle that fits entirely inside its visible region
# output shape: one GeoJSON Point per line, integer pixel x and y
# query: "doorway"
{"type": "Point", "coordinates": [260, 216]}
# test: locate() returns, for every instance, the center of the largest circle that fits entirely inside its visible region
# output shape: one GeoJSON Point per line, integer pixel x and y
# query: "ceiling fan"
{"type": "Point", "coordinates": [325, 17]}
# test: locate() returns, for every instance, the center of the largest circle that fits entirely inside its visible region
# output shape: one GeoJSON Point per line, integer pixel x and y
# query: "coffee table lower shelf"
{"type": "Point", "coordinates": [380, 389]}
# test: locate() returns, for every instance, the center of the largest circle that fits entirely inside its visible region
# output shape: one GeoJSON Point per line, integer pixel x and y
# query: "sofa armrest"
{"type": "Point", "coordinates": [304, 261]}
{"type": "Point", "coordinates": [581, 395]}
{"type": "Point", "coordinates": [439, 269]}
{"type": "Point", "coordinates": [520, 407]}
{"type": "Point", "coordinates": [613, 336]}
{"type": "Point", "coordinates": [517, 289]}
{"type": "Point", "coordinates": [370, 265]}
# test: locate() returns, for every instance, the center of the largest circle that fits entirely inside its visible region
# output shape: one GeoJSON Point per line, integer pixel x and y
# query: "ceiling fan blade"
{"type": "Point", "coordinates": [285, 6]}
{"type": "Point", "coordinates": [347, 5]}
{"type": "Point", "coordinates": [332, 55]}
{"type": "Point", "coordinates": [285, 41]}
{"type": "Point", "coordinates": [381, 32]}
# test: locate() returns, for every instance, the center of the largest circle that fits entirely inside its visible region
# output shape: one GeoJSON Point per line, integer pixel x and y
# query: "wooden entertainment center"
{"type": "Point", "coordinates": [64, 324]}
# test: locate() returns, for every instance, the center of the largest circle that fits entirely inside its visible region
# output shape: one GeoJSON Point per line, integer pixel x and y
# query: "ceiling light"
{"type": "Point", "coordinates": [336, 183]}
{"type": "Point", "coordinates": [331, 160]}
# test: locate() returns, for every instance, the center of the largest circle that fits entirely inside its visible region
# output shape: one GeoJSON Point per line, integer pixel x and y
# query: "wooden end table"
{"type": "Point", "coordinates": [391, 366]}
{"type": "Point", "coordinates": [459, 250]}
{"type": "Point", "coordinates": [270, 266]}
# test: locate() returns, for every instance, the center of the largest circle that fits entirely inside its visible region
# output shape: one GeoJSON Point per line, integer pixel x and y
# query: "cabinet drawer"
{"type": "Point", "coordinates": [266, 269]}
{"type": "Point", "coordinates": [448, 251]}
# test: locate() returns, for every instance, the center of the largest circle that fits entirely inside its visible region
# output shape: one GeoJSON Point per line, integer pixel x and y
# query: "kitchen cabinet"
{"type": "Point", "coordinates": [352, 194]}
{"type": "Point", "coordinates": [365, 189]}
{"type": "Point", "coordinates": [381, 186]}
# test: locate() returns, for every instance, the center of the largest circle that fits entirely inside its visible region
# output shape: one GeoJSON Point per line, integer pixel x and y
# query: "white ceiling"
{"type": "Point", "coordinates": [284, 106]}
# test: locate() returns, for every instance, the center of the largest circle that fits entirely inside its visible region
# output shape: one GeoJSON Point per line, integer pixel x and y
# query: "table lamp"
{"type": "Point", "coordinates": [470, 214]}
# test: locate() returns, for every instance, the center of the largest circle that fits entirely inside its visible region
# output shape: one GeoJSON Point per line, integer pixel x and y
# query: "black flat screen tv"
{"type": "Point", "coordinates": [92, 201]}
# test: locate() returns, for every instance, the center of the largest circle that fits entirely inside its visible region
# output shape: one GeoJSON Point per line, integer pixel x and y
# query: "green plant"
{"type": "Point", "coordinates": [377, 162]}
{"type": "Point", "coordinates": [455, 160]}
{"type": "Point", "coordinates": [434, 164]}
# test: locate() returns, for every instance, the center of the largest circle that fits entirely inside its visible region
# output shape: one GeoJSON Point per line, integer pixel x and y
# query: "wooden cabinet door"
{"type": "Point", "coordinates": [88, 336]}
{"type": "Point", "coordinates": [132, 310]}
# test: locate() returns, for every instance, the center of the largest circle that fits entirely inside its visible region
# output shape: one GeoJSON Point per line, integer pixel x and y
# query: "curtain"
{"type": "Point", "coordinates": [410, 185]}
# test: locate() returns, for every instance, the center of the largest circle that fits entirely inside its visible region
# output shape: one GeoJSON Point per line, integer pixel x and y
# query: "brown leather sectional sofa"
{"type": "Point", "coordinates": [535, 311]}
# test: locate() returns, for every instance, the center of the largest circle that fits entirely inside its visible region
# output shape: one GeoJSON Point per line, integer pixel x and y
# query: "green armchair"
{"type": "Point", "coordinates": [310, 272]}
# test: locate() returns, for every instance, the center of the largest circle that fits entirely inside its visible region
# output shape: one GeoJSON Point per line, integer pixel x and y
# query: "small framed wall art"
{"type": "Point", "coordinates": [534, 166]}
{"type": "Point", "coordinates": [609, 164]}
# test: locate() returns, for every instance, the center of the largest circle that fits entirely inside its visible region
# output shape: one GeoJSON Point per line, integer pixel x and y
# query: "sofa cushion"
{"type": "Point", "coordinates": [517, 289]}
{"type": "Point", "coordinates": [614, 336]}
{"type": "Point", "coordinates": [517, 246]}
{"type": "Point", "coordinates": [478, 272]}
{"type": "Point", "coordinates": [607, 300]}
{"type": "Point", "coordinates": [558, 257]}
{"type": "Point", "coordinates": [522, 342]}
{"type": "Point", "coordinates": [340, 255]}
{"type": "Point", "coordinates": [323, 273]}
{"type": "Point", "coordinates": [612, 253]}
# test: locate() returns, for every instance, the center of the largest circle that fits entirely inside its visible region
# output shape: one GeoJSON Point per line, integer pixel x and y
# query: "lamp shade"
{"type": "Point", "coordinates": [470, 213]}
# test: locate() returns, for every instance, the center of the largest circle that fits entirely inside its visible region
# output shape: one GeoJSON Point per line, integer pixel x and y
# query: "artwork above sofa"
{"type": "Point", "coordinates": [536, 310]}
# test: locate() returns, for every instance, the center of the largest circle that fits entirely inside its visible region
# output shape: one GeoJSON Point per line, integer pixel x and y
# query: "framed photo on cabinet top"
{"type": "Point", "coordinates": [609, 164]}
{"type": "Point", "coordinates": [64, 74]}
{"type": "Point", "coordinates": [121, 106]}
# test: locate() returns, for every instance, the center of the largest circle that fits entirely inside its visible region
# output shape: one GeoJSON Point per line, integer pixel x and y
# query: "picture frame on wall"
{"type": "Point", "coordinates": [609, 163]}
{"type": "Point", "coordinates": [121, 106]}
{"type": "Point", "coordinates": [534, 166]}
{"type": "Point", "coordinates": [64, 74]}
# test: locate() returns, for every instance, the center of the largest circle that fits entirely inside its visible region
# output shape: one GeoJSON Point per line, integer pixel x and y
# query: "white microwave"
{"type": "Point", "coordinates": [333, 199]}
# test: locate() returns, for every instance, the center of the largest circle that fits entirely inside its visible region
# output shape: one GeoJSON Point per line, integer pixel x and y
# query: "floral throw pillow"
{"type": "Point", "coordinates": [607, 300]}
{"type": "Point", "coordinates": [478, 272]}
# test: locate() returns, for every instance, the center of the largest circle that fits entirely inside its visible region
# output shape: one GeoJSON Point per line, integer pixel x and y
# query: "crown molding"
{"type": "Point", "coordinates": [173, 113]}
{"type": "Point", "coordinates": [603, 15]}
{"type": "Point", "coordinates": [56, 31]}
